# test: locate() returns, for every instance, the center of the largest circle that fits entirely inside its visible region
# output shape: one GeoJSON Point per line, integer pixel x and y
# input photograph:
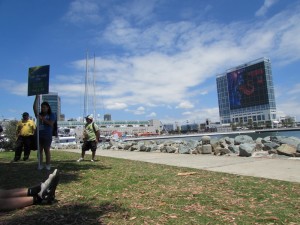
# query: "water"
{"type": "Point", "coordinates": [282, 133]}
{"type": "Point", "coordinates": [253, 134]}
{"type": "Point", "coordinates": [295, 133]}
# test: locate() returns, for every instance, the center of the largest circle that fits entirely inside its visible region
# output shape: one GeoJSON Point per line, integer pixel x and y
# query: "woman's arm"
{"type": "Point", "coordinates": [45, 121]}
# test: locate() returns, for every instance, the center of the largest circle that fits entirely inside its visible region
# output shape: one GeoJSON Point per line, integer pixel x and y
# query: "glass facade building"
{"type": "Point", "coordinates": [246, 93]}
{"type": "Point", "coordinates": [54, 101]}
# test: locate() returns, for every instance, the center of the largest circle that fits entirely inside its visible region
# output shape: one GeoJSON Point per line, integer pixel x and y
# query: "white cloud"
{"type": "Point", "coordinates": [290, 107]}
{"type": "Point", "coordinates": [184, 55]}
{"type": "Point", "coordinates": [264, 8]}
{"type": "Point", "coordinates": [186, 113]}
{"type": "Point", "coordinates": [151, 115]}
{"type": "Point", "coordinates": [116, 105]}
{"type": "Point", "coordinates": [195, 116]}
{"type": "Point", "coordinates": [294, 90]}
{"type": "Point", "coordinates": [167, 63]}
{"type": "Point", "coordinates": [14, 87]}
{"type": "Point", "coordinates": [82, 11]}
{"type": "Point", "coordinates": [138, 111]}
{"type": "Point", "coordinates": [140, 10]}
{"type": "Point", "coordinates": [207, 113]}
{"type": "Point", "coordinates": [67, 90]}
{"type": "Point", "coordinates": [185, 105]}
{"type": "Point", "coordinates": [149, 104]}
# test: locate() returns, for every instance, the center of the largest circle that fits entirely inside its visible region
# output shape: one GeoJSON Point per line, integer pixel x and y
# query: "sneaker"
{"type": "Point", "coordinates": [92, 160]}
{"type": "Point", "coordinates": [26, 158]}
{"type": "Point", "coordinates": [52, 188]}
{"type": "Point", "coordinates": [45, 185]}
{"type": "Point", "coordinates": [79, 160]}
{"type": "Point", "coordinates": [48, 181]}
{"type": "Point", "coordinates": [48, 187]}
{"type": "Point", "coordinates": [48, 166]}
{"type": "Point", "coordinates": [40, 167]}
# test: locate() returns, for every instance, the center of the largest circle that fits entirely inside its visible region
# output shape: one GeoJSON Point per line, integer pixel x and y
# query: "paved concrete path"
{"type": "Point", "coordinates": [286, 169]}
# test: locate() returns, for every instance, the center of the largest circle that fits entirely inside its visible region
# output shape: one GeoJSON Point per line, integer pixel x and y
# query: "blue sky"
{"type": "Point", "coordinates": [154, 59]}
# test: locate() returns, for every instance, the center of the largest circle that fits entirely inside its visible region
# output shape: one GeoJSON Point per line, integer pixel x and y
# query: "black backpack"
{"type": "Point", "coordinates": [55, 129]}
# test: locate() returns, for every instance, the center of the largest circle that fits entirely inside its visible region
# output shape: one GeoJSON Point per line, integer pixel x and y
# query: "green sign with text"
{"type": "Point", "coordinates": [38, 80]}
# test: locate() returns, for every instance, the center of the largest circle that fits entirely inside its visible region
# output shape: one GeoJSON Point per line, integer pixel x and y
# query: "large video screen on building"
{"type": "Point", "coordinates": [247, 86]}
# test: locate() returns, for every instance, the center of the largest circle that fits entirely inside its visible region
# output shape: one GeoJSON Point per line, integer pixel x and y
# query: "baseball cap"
{"type": "Point", "coordinates": [25, 114]}
{"type": "Point", "coordinates": [90, 117]}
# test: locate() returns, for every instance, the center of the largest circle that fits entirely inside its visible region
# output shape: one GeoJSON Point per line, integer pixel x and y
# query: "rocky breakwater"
{"type": "Point", "coordinates": [241, 145]}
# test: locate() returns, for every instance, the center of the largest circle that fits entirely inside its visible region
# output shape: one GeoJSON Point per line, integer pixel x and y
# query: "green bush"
{"type": "Point", "coordinates": [9, 143]}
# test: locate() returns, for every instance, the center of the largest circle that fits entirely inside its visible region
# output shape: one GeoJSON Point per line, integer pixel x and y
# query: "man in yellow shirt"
{"type": "Point", "coordinates": [25, 131]}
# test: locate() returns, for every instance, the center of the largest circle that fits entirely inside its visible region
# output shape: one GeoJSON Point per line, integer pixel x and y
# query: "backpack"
{"type": "Point", "coordinates": [93, 124]}
{"type": "Point", "coordinates": [55, 129]}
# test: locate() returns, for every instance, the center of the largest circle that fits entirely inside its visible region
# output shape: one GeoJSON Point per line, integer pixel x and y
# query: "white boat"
{"type": "Point", "coordinates": [64, 142]}
{"type": "Point", "coordinates": [103, 138]}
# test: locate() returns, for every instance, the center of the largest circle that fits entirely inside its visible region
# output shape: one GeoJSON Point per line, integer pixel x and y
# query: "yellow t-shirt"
{"type": "Point", "coordinates": [25, 128]}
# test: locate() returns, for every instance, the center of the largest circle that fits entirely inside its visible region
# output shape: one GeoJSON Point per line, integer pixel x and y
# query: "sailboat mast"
{"type": "Point", "coordinates": [94, 90]}
{"type": "Point", "coordinates": [86, 87]}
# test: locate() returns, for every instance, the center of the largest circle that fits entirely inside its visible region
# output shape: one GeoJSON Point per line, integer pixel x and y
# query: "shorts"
{"type": "Point", "coordinates": [45, 142]}
{"type": "Point", "coordinates": [87, 145]}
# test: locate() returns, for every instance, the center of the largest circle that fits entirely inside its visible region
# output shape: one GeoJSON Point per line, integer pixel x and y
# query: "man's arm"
{"type": "Point", "coordinates": [98, 135]}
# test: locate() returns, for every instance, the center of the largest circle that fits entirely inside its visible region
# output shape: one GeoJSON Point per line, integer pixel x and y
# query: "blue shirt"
{"type": "Point", "coordinates": [45, 129]}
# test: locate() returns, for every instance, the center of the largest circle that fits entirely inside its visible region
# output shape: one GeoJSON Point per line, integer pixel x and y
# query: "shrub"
{"type": "Point", "coordinates": [9, 142]}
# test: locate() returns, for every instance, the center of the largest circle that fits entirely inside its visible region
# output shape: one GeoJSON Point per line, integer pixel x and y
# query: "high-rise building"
{"type": "Point", "coordinates": [246, 93]}
{"type": "Point", "coordinates": [107, 117]}
{"type": "Point", "coordinates": [54, 101]}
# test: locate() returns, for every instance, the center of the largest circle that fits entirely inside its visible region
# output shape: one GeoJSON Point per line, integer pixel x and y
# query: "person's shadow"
{"type": "Point", "coordinates": [25, 174]}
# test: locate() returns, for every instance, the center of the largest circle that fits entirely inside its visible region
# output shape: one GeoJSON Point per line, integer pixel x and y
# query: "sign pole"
{"type": "Point", "coordinates": [38, 84]}
{"type": "Point", "coordinates": [38, 133]}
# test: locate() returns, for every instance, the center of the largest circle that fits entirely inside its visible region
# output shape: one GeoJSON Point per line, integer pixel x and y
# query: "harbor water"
{"type": "Point", "coordinates": [255, 135]}
{"type": "Point", "coordinates": [293, 132]}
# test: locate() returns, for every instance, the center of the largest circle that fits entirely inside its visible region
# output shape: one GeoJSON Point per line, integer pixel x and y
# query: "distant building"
{"type": "Point", "coordinates": [168, 127]}
{"type": "Point", "coordinates": [133, 127]}
{"type": "Point", "coordinates": [62, 117]}
{"type": "Point", "coordinates": [190, 127]}
{"type": "Point", "coordinates": [54, 101]}
{"type": "Point", "coordinates": [246, 93]}
{"type": "Point", "coordinates": [107, 117]}
{"type": "Point", "coordinates": [287, 121]}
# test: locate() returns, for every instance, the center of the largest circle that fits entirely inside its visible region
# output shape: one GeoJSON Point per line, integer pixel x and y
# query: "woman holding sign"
{"type": "Point", "coordinates": [46, 121]}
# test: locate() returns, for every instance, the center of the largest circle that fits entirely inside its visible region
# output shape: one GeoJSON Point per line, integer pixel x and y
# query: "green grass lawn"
{"type": "Point", "coordinates": [118, 191]}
